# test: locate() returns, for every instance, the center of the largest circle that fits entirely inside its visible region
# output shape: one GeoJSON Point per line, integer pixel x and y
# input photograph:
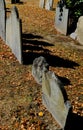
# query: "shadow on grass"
{"type": "Point", "coordinates": [34, 46]}
{"type": "Point", "coordinates": [64, 80]}
{"type": "Point", "coordinates": [18, 2]}
{"type": "Point", "coordinates": [74, 122]}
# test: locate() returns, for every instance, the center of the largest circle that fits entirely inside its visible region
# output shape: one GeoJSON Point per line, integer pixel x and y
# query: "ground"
{"type": "Point", "coordinates": [20, 95]}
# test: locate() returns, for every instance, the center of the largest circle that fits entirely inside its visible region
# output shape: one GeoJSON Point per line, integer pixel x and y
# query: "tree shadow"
{"type": "Point", "coordinates": [55, 61]}
{"type": "Point", "coordinates": [65, 81]}
{"type": "Point", "coordinates": [34, 46]}
{"type": "Point", "coordinates": [74, 122]}
{"type": "Point", "coordinates": [30, 36]}
{"type": "Point", "coordinates": [17, 2]}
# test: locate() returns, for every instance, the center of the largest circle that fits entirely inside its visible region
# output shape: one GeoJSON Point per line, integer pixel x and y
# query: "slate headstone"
{"type": "Point", "coordinates": [54, 98]}
{"type": "Point", "coordinates": [2, 19]}
{"type": "Point", "coordinates": [13, 33]}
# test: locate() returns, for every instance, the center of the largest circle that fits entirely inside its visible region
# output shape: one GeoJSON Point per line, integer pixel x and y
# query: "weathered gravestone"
{"type": "Point", "coordinates": [49, 4]}
{"type": "Point", "coordinates": [54, 98]}
{"type": "Point", "coordinates": [42, 3]}
{"type": "Point", "coordinates": [40, 65]}
{"type": "Point", "coordinates": [61, 18]}
{"type": "Point", "coordinates": [13, 33]}
{"type": "Point", "coordinates": [2, 20]}
{"type": "Point", "coordinates": [79, 30]}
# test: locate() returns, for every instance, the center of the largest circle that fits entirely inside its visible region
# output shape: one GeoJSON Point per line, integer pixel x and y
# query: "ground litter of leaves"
{"type": "Point", "coordinates": [21, 105]}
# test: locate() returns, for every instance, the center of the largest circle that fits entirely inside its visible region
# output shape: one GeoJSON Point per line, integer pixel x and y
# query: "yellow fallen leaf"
{"type": "Point", "coordinates": [40, 113]}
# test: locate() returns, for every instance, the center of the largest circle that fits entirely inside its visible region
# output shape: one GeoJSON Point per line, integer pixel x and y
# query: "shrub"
{"type": "Point", "coordinates": [75, 7]}
{"type": "Point", "coordinates": [75, 11]}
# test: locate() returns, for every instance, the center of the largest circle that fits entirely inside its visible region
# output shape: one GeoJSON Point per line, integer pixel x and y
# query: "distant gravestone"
{"type": "Point", "coordinates": [49, 4]}
{"type": "Point", "coordinates": [2, 19]}
{"type": "Point", "coordinates": [42, 3]}
{"type": "Point", "coordinates": [79, 30]}
{"type": "Point", "coordinates": [13, 33]}
{"type": "Point", "coordinates": [61, 19]}
{"type": "Point", "coordinates": [54, 98]}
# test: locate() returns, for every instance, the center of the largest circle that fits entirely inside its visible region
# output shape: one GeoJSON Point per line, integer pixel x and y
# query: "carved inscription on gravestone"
{"type": "Point", "coordinates": [13, 33]}
{"type": "Point", "coordinates": [53, 98]}
{"type": "Point", "coordinates": [2, 19]}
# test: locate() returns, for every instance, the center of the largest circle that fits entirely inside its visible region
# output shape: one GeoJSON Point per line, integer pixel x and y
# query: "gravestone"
{"type": "Point", "coordinates": [2, 19]}
{"type": "Point", "coordinates": [13, 33]}
{"type": "Point", "coordinates": [49, 4]}
{"type": "Point", "coordinates": [39, 66]}
{"type": "Point", "coordinates": [42, 3]}
{"type": "Point", "coordinates": [79, 30]}
{"type": "Point", "coordinates": [61, 18]}
{"type": "Point", "coordinates": [54, 98]}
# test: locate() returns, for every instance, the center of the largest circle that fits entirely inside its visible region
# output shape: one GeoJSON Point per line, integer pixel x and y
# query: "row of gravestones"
{"type": "Point", "coordinates": [11, 30]}
{"type": "Point", "coordinates": [62, 20]}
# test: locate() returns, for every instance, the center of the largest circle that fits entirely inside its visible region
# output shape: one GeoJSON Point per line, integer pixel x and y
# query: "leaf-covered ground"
{"type": "Point", "coordinates": [20, 95]}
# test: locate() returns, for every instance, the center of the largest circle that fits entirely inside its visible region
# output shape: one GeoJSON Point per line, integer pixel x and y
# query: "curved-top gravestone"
{"type": "Point", "coordinates": [2, 19]}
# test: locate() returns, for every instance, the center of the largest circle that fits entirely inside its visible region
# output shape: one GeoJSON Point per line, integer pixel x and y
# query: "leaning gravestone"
{"type": "Point", "coordinates": [13, 33]}
{"type": "Point", "coordinates": [2, 19]}
{"type": "Point", "coordinates": [61, 18]}
{"type": "Point", "coordinates": [54, 98]}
